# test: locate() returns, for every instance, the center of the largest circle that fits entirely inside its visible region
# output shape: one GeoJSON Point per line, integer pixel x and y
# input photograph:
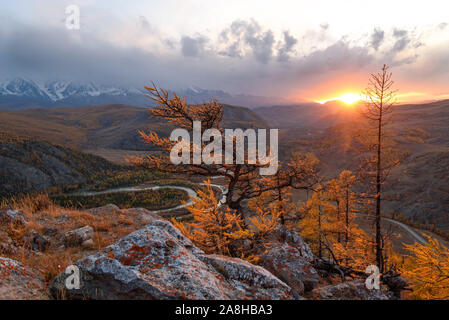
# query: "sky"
{"type": "Point", "coordinates": [298, 50]}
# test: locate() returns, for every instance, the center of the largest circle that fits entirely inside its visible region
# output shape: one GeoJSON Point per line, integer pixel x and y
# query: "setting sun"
{"type": "Point", "coordinates": [348, 98]}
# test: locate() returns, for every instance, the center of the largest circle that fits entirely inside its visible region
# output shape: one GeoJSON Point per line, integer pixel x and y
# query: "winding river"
{"type": "Point", "coordinates": [192, 194]}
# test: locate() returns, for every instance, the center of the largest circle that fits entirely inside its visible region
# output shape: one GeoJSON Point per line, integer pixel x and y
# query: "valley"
{"type": "Point", "coordinates": [111, 131]}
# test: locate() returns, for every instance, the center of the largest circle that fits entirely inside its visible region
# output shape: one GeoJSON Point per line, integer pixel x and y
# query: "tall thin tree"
{"type": "Point", "coordinates": [380, 98]}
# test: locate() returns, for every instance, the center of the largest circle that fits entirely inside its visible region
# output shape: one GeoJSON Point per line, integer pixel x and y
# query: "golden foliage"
{"type": "Point", "coordinates": [427, 268]}
{"type": "Point", "coordinates": [329, 224]}
{"type": "Point", "coordinates": [214, 228]}
{"type": "Point", "coordinates": [267, 213]}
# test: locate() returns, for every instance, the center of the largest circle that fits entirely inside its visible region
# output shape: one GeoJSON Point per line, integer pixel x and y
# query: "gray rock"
{"type": "Point", "coordinates": [38, 242]}
{"type": "Point", "coordinates": [88, 244]}
{"type": "Point", "coordinates": [8, 215]}
{"type": "Point", "coordinates": [20, 283]}
{"type": "Point", "coordinates": [293, 239]}
{"type": "Point", "coordinates": [287, 263]}
{"type": "Point", "coordinates": [351, 290]}
{"type": "Point", "coordinates": [158, 262]}
{"type": "Point", "coordinates": [76, 237]}
{"type": "Point", "coordinates": [146, 215]}
{"type": "Point", "coordinates": [249, 281]}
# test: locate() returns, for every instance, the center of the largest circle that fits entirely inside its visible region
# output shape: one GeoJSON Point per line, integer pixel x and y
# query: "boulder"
{"type": "Point", "coordinates": [9, 215]}
{"type": "Point", "coordinates": [158, 262]}
{"type": "Point", "coordinates": [350, 290]}
{"type": "Point", "coordinates": [20, 283]}
{"type": "Point", "coordinates": [77, 237]}
{"type": "Point", "coordinates": [288, 264]}
{"type": "Point", "coordinates": [37, 241]}
{"type": "Point", "coordinates": [249, 281]}
{"type": "Point", "coordinates": [146, 215]}
{"type": "Point", "coordinates": [291, 238]}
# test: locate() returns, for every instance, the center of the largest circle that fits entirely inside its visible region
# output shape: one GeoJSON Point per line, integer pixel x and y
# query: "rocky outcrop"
{"type": "Point", "coordinates": [350, 290]}
{"type": "Point", "coordinates": [158, 262]}
{"type": "Point", "coordinates": [290, 259]}
{"type": "Point", "coordinates": [79, 237]}
{"type": "Point", "coordinates": [291, 238]}
{"type": "Point", "coordinates": [287, 263]}
{"type": "Point", "coordinates": [249, 281]}
{"type": "Point", "coordinates": [20, 283]}
{"type": "Point", "coordinates": [9, 215]}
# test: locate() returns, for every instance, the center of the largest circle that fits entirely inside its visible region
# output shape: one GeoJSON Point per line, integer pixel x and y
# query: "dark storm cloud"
{"type": "Point", "coordinates": [286, 47]}
{"type": "Point", "coordinates": [248, 33]}
{"type": "Point", "coordinates": [377, 37]}
{"type": "Point", "coordinates": [402, 40]}
{"type": "Point", "coordinates": [243, 58]}
{"type": "Point", "coordinates": [59, 53]}
{"type": "Point", "coordinates": [336, 57]}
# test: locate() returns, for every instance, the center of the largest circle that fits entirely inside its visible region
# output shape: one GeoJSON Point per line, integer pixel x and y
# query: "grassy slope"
{"type": "Point", "coordinates": [30, 164]}
{"type": "Point", "coordinates": [108, 126]}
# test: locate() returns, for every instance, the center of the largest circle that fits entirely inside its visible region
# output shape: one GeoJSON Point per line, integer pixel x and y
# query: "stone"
{"type": "Point", "coordinates": [293, 239]}
{"type": "Point", "coordinates": [109, 208]}
{"type": "Point", "coordinates": [158, 262]}
{"type": "Point", "coordinates": [250, 281]}
{"type": "Point", "coordinates": [88, 244]}
{"type": "Point", "coordinates": [287, 263]}
{"type": "Point", "coordinates": [9, 215]}
{"type": "Point", "coordinates": [75, 238]}
{"type": "Point", "coordinates": [350, 290]}
{"type": "Point", "coordinates": [20, 283]}
{"type": "Point", "coordinates": [38, 242]}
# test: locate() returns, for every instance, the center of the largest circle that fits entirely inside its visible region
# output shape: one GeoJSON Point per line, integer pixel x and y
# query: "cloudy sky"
{"type": "Point", "coordinates": [300, 50]}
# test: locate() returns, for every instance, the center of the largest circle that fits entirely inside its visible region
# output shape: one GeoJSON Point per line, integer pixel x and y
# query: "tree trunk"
{"type": "Point", "coordinates": [280, 202]}
{"type": "Point", "coordinates": [379, 256]}
{"type": "Point", "coordinates": [347, 215]}
{"type": "Point", "coordinates": [320, 245]}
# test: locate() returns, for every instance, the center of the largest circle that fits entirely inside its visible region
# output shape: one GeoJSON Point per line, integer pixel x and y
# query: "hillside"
{"type": "Point", "coordinates": [28, 164]}
{"type": "Point", "coordinates": [420, 133]}
{"type": "Point", "coordinates": [108, 126]}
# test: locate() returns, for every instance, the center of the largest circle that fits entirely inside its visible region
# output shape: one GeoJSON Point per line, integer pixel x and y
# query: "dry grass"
{"type": "Point", "coordinates": [47, 219]}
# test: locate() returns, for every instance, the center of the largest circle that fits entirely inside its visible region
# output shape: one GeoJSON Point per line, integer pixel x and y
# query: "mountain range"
{"type": "Point", "coordinates": [20, 93]}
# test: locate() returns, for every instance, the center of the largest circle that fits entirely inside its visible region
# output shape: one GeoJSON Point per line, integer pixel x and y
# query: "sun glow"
{"type": "Point", "coordinates": [348, 98]}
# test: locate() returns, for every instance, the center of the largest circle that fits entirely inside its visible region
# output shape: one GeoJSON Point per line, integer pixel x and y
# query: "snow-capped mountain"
{"type": "Point", "coordinates": [59, 90]}
{"type": "Point", "coordinates": [22, 93]}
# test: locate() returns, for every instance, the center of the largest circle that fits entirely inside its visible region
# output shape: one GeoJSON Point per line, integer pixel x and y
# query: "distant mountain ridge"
{"type": "Point", "coordinates": [20, 93]}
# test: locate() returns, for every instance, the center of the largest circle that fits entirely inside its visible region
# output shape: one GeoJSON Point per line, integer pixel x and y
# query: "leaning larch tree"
{"type": "Point", "coordinates": [243, 179]}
